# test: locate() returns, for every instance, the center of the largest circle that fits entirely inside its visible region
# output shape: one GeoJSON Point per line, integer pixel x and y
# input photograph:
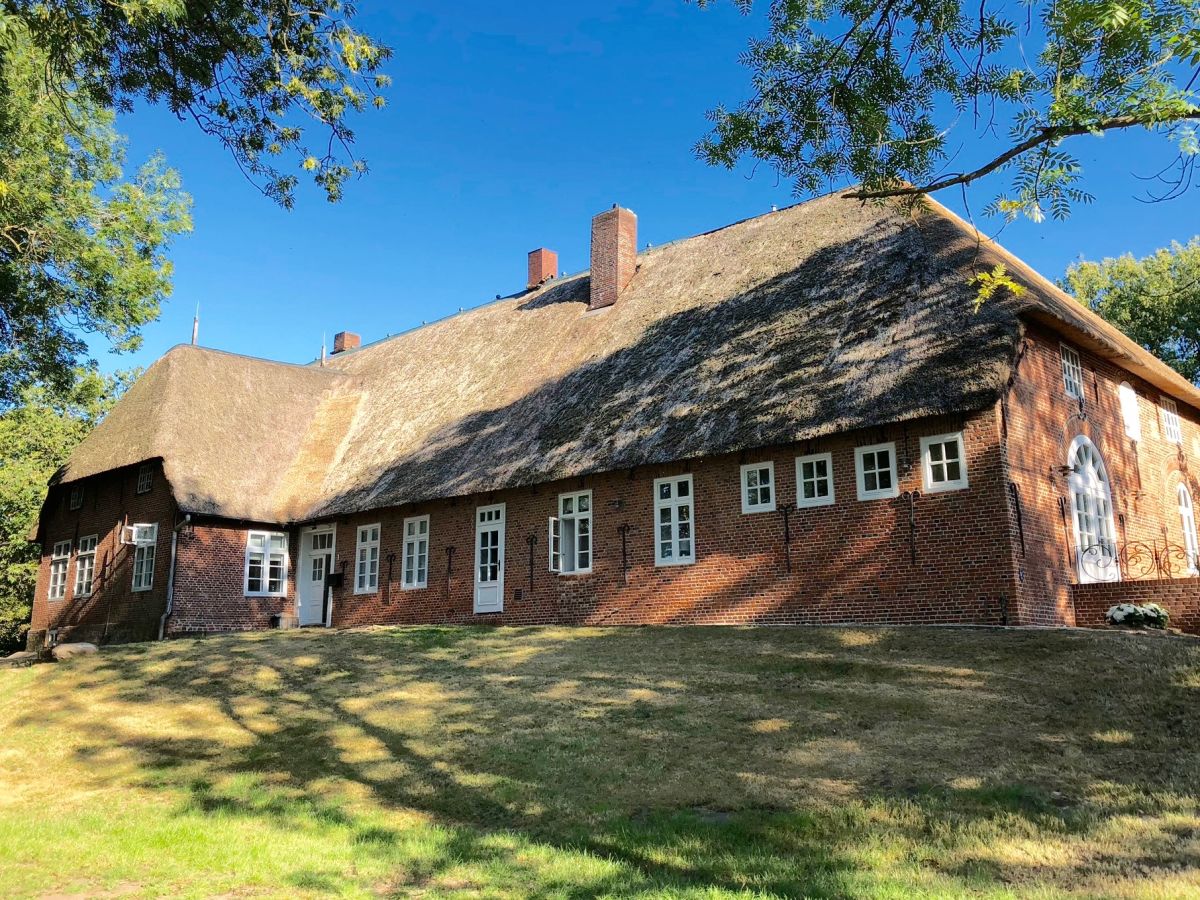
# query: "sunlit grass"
{"type": "Point", "coordinates": [607, 762]}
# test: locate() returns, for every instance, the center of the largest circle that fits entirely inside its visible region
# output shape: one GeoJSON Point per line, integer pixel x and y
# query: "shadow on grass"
{"type": "Point", "coordinates": [816, 762]}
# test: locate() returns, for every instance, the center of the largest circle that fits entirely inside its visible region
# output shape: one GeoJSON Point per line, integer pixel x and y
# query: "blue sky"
{"type": "Point", "coordinates": [508, 127]}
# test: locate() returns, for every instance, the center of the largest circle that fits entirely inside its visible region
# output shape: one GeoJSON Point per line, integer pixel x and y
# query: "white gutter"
{"type": "Point", "coordinates": [162, 622]}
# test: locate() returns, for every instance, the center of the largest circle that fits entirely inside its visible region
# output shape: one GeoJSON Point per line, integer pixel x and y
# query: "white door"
{"type": "Point", "coordinates": [489, 559]}
{"type": "Point", "coordinates": [316, 563]}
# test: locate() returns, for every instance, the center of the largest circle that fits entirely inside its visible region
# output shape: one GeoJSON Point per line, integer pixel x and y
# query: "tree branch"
{"type": "Point", "coordinates": [1046, 135]}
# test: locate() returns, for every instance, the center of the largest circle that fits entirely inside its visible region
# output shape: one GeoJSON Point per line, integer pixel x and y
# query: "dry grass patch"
{"type": "Point", "coordinates": [593, 762]}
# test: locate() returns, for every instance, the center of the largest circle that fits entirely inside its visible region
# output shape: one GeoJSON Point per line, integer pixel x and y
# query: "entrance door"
{"type": "Point", "coordinates": [317, 562]}
{"type": "Point", "coordinates": [489, 559]}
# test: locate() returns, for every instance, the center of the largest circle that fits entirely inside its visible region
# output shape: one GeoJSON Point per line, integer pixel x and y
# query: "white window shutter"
{"type": "Point", "coordinates": [553, 541]}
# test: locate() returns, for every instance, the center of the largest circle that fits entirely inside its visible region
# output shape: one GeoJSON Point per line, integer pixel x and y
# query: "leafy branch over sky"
{"type": "Point", "coordinates": [909, 97]}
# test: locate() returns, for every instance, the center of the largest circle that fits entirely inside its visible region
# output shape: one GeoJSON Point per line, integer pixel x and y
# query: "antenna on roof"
{"type": "Point", "coordinates": [322, 348]}
{"type": "Point", "coordinates": [196, 325]}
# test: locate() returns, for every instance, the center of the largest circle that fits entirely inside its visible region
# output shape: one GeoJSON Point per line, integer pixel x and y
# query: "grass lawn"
{"type": "Point", "coordinates": [684, 762]}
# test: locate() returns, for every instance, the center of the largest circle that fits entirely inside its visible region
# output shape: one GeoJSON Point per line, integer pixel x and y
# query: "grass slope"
{"type": "Point", "coordinates": [685, 762]}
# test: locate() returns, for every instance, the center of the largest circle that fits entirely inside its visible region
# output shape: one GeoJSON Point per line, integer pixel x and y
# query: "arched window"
{"type": "Point", "coordinates": [1187, 516]}
{"type": "Point", "coordinates": [1129, 410]}
{"type": "Point", "coordinates": [1091, 502]}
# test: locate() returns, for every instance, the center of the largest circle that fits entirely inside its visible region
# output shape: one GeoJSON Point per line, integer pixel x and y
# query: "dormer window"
{"type": "Point", "coordinates": [1072, 370]}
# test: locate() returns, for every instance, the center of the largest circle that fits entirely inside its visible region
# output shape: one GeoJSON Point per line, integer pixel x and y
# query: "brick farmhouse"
{"type": "Point", "coordinates": [799, 418]}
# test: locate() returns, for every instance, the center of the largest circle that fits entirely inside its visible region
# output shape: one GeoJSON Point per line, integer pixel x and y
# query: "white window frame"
{"type": "Point", "coordinates": [927, 462]}
{"type": "Point", "coordinates": [85, 565]}
{"type": "Point", "coordinates": [675, 503]}
{"type": "Point", "coordinates": [1072, 369]}
{"type": "Point", "coordinates": [1187, 517]}
{"type": "Point", "coordinates": [75, 501]}
{"type": "Point", "coordinates": [367, 582]}
{"type": "Point", "coordinates": [268, 554]}
{"type": "Point", "coordinates": [860, 472]}
{"type": "Point", "coordinates": [412, 549]}
{"type": "Point", "coordinates": [60, 562]}
{"type": "Point", "coordinates": [144, 538]}
{"type": "Point", "coordinates": [1172, 427]}
{"type": "Point", "coordinates": [1127, 398]}
{"type": "Point", "coordinates": [1091, 501]}
{"type": "Point", "coordinates": [803, 502]}
{"type": "Point", "coordinates": [145, 478]}
{"type": "Point", "coordinates": [747, 506]}
{"type": "Point", "coordinates": [566, 526]}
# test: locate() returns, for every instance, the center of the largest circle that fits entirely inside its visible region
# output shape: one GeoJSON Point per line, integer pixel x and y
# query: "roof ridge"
{"type": "Point", "coordinates": [189, 348]}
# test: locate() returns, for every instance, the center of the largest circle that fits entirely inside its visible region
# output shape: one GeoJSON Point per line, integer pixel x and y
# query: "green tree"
{"type": "Point", "coordinates": [905, 97]}
{"type": "Point", "coordinates": [82, 251]}
{"type": "Point", "coordinates": [36, 437]}
{"type": "Point", "coordinates": [1155, 300]}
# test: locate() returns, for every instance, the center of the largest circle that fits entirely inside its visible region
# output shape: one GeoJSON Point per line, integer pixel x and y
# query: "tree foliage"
{"type": "Point", "coordinates": [36, 437]}
{"type": "Point", "coordinates": [266, 78]}
{"type": "Point", "coordinates": [82, 250]}
{"type": "Point", "coordinates": [901, 96]}
{"type": "Point", "coordinates": [1155, 300]}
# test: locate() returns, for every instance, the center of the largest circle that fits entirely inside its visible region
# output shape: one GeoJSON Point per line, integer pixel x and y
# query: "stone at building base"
{"type": "Point", "coordinates": [70, 651]}
{"type": "Point", "coordinates": [19, 660]}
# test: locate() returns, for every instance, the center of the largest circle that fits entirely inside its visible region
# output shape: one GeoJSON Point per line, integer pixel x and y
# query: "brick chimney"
{"type": "Point", "coordinates": [543, 265]}
{"type": "Point", "coordinates": [346, 340]}
{"type": "Point", "coordinates": [614, 255]}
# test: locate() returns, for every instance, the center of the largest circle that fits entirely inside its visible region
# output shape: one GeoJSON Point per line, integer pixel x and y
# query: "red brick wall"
{"type": "Point", "coordinates": [210, 581]}
{"type": "Point", "coordinates": [1178, 596]}
{"type": "Point", "coordinates": [614, 255]}
{"type": "Point", "coordinates": [113, 612]}
{"type": "Point", "coordinates": [1041, 422]}
{"type": "Point", "coordinates": [850, 562]}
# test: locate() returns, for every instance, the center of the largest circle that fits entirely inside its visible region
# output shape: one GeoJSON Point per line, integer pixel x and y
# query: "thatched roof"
{"type": "Point", "coordinates": [823, 317]}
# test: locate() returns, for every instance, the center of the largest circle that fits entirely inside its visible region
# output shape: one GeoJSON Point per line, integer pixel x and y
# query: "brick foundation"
{"type": "Point", "coordinates": [1178, 596]}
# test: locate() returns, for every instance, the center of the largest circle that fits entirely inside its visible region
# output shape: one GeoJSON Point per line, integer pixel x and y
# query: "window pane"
{"type": "Point", "coordinates": [683, 488]}
{"type": "Point", "coordinates": [585, 503]}
{"type": "Point", "coordinates": [752, 478]}
{"type": "Point", "coordinates": [664, 491]}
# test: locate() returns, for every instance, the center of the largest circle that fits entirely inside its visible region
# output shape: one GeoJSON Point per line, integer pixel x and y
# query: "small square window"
{"type": "Point", "coordinates": [758, 487]}
{"type": "Point", "coordinates": [145, 480]}
{"type": "Point", "coordinates": [814, 480]}
{"type": "Point", "coordinates": [876, 467]}
{"type": "Point", "coordinates": [1170, 418]}
{"type": "Point", "coordinates": [76, 497]}
{"type": "Point", "coordinates": [1072, 370]}
{"type": "Point", "coordinates": [943, 462]}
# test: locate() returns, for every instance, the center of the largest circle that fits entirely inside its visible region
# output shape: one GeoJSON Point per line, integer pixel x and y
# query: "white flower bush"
{"type": "Point", "coordinates": [1129, 615]}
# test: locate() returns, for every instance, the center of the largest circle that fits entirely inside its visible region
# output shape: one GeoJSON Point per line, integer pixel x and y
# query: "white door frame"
{"type": "Point", "coordinates": [489, 595]}
{"type": "Point", "coordinates": [304, 571]}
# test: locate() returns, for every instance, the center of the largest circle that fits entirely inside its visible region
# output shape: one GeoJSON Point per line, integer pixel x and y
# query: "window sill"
{"type": "Point", "coordinates": [141, 590]}
{"type": "Point", "coordinates": [578, 573]}
{"type": "Point", "coordinates": [414, 587]}
{"type": "Point", "coordinates": [671, 563]}
{"type": "Point", "coordinates": [815, 504]}
{"type": "Point", "coordinates": [751, 510]}
{"type": "Point", "coordinates": [946, 487]}
{"type": "Point", "coordinates": [879, 495]}
{"type": "Point", "coordinates": [259, 596]}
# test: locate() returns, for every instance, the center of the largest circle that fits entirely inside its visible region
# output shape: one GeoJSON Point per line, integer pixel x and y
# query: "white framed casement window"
{"type": "Point", "coordinates": [145, 543]}
{"type": "Point", "coordinates": [366, 566]}
{"type": "Point", "coordinates": [145, 479]}
{"type": "Point", "coordinates": [814, 480]}
{"type": "Point", "coordinates": [416, 553]}
{"type": "Point", "coordinates": [675, 540]}
{"type": "Point", "coordinates": [1072, 370]}
{"type": "Point", "coordinates": [266, 564]}
{"type": "Point", "coordinates": [60, 558]}
{"type": "Point", "coordinates": [1170, 420]}
{"type": "Point", "coordinates": [85, 565]}
{"type": "Point", "coordinates": [1129, 410]}
{"type": "Point", "coordinates": [1187, 516]}
{"type": "Point", "coordinates": [875, 470]}
{"type": "Point", "coordinates": [943, 462]}
{"type": "Point", "coordinates": [76, 501]}
{"type": "Point", "coordinates": [758, 487]}
{"type": "Point", "coordinates": [571, 534]}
